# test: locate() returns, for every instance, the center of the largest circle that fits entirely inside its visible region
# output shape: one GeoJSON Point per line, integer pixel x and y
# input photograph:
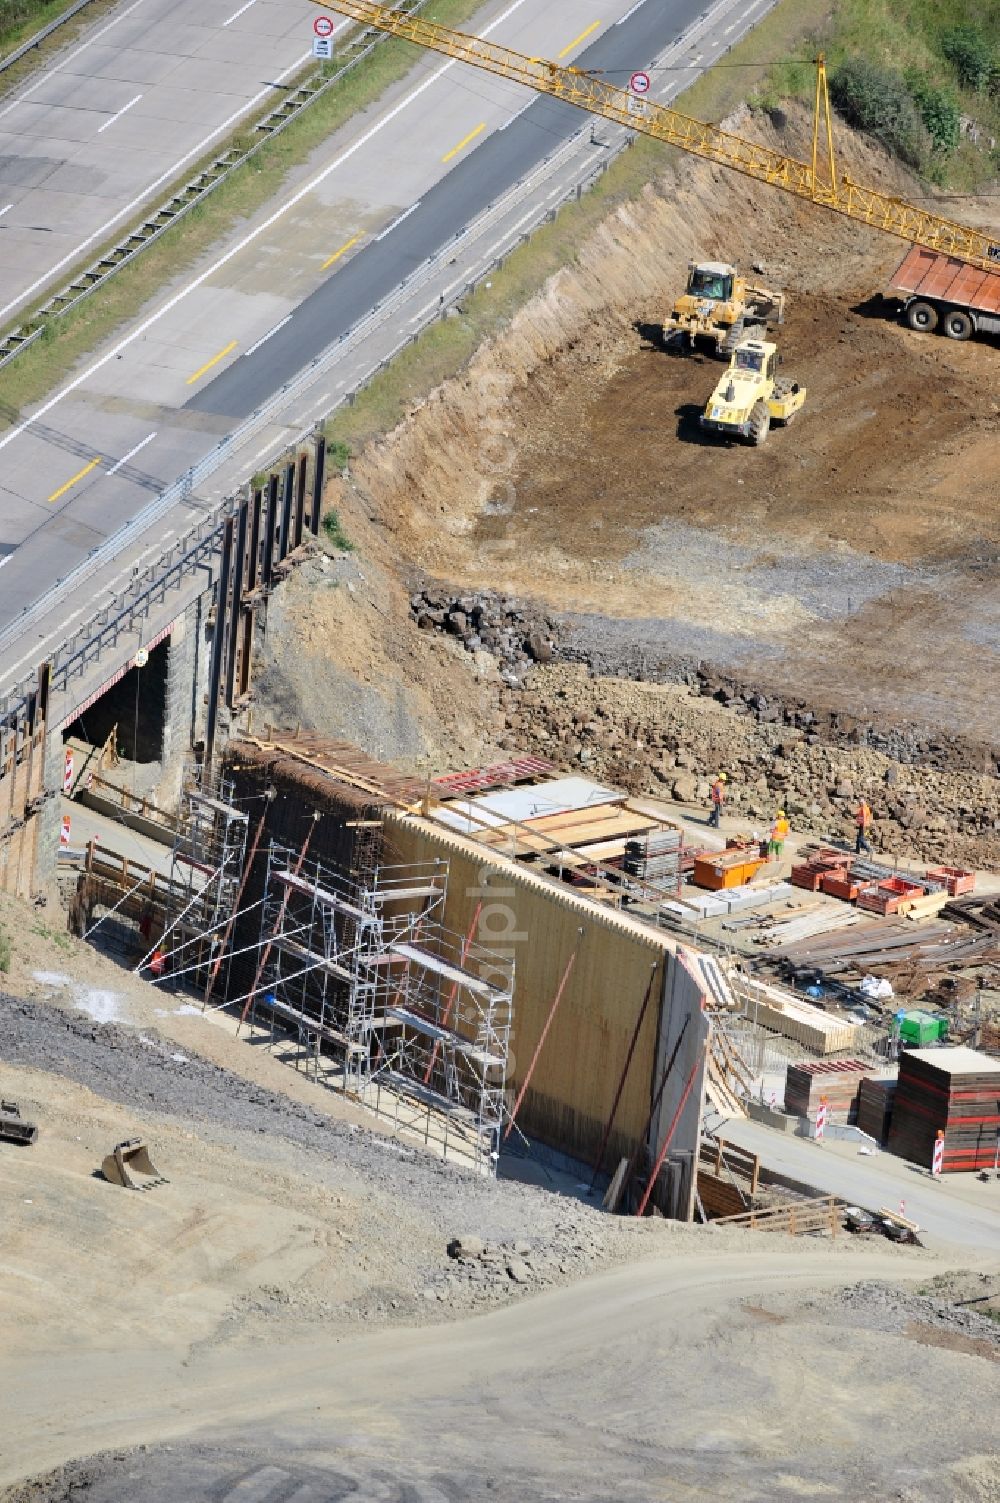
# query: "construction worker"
{"type": "Point", "coordinates": [863, 820]}
{"type": "Point", "coordinates": [717, 793]}
{"type": "Point", "coordinates": [779, 834]}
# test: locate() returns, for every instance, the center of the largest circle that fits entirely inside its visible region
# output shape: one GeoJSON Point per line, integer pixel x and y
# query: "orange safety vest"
{"type": "Point", "coordinates": [863, 817]}
{"type": "Point", "coordinates": [779, 829]}
{"type": "Point", "coordinates": [718, 792]}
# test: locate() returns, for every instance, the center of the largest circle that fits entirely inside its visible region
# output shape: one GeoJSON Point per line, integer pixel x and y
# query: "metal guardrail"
{"type": "Point", "coordinates": [161, 219]}
{"type": "Point", "coordinates": [42, 36]}
{"type": "Point", "coordinates": [191, 551]}
{"type": "Point", "coordinates": [182, 487]}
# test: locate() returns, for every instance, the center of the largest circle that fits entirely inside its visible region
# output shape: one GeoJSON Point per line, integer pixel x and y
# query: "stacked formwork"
{"type": "Point", "coordinates": [954, 1092]}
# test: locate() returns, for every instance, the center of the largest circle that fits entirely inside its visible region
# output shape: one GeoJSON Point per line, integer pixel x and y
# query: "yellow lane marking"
{"type": "Point", "coordinates": [464, 142]}
{"type": "Point", "coordinates": [214, 361]}
{"type": "Point", "coordinates": [338, 253]}
{"type": "Point", "coordinates": [577, 40]}
{"type": "Point", "coordinates": [72, 481]}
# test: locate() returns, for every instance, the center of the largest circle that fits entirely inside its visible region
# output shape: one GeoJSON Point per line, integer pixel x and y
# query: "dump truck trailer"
{"type": "Point", "coordinates": [940, 292]}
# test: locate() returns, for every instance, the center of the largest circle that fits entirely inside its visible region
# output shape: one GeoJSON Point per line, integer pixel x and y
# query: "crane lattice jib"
{"type": "Point", "coordinates": [586, 92]}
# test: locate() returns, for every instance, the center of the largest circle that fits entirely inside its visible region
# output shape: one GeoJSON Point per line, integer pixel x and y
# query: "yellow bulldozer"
{"type": "Point", "coordinates": [719, 307]}
{"type": "Point", "coordinates": [750, 396]}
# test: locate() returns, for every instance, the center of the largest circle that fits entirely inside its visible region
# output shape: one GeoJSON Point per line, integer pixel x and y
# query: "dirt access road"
{"type": "Point", "coordinates": [282, 1314]}
{"type": "Point", "coordinates": [681, 1379]}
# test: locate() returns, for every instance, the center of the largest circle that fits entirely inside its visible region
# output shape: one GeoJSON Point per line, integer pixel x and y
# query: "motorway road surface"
{"type": "Point", "coordinates": [645, 1383]}
{"type": "Point", "coordinates": [382, 194]}
{"type": "Point", "coordinates": [121, 113]}
{"type": "Point", "coordinates": [475, 180]}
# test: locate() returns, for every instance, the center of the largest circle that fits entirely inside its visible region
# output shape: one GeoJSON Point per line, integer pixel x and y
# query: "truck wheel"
{"type": "Point", "coordinates": [956, 324]}
{"type": "Point", "coordinates": [732, 339]}
{"type": "Point", "coordinates": [923, 317]}
{"type": "Point", "coordinates": [760, 424]}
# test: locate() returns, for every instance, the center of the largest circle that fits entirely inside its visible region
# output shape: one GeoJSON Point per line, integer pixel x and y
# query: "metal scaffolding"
{"type": "Point", "coordinates": [416, 1020]}
{"type": "Point", "coordinates": [206, 868]}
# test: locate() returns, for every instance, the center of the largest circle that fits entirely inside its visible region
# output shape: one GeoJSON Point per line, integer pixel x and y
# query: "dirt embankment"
{"type": "Point", "coordinates": [847, 571]}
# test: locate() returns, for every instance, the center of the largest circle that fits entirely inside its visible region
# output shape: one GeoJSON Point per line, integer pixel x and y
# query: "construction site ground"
{"type": "Point", "coordinates": [848, 566]}
{"type": "Point", "coordinates": [282, 1319]}
{"type": "Point", "coordinates": [851, 561]}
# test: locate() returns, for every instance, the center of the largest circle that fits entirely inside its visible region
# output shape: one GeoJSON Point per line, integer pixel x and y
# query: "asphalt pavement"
{"type": "Point", "coordinates": [473, 183]}
{"type": "Point", "coordinates": [123, 110]}
{"type": "Point", "coordinates": [395, 185]}
{"type": "Point", "coordinates": [956, 1211]}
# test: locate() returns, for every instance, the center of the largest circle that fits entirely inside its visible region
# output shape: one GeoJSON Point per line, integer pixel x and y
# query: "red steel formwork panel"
{"type": "Point", "coordinates": [499, 775]}
{"type": "Point", "coordinates": [926, 273]}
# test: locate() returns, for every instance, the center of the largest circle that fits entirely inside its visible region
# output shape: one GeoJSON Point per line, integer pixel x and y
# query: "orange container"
{"type": "Point", "coordinates": [840, 885]}
{"type": "Point", "coordinates": [954, 878]}
{"type": "Point", "coordinates": [727, 869]}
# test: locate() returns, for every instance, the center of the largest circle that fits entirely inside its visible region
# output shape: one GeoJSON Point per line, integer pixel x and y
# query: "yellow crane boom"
{"type": "Point", "coordinates": [816, 181]}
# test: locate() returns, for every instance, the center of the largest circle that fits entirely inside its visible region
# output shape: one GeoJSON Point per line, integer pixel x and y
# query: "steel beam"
{"type": "Point", "coordinates": [319, 473]}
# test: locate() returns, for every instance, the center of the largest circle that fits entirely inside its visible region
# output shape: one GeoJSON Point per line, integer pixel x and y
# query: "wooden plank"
{"type": "Point", "coordinates": [614, 1191]}
{"type": "Point", "coordinates": [925, 907]}
{"type": "Point", "coordinates": [505, 837]}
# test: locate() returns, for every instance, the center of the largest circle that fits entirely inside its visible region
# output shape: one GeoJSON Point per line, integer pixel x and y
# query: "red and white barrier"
{"type": "Point", "coordinates": [821, 1116]}
{"type": "Point", "coordinates": [937, 1161]}
{"type": "Point", "coordinates": [68, 772]}
{"type": "Point", "coordinates": [64, 833]}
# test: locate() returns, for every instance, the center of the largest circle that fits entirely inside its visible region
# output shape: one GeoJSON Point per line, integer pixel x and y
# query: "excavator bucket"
{"type": "Point", "coordinates": [13, 1128]}
{"type": "Point", "coordinates": [131, 1167]}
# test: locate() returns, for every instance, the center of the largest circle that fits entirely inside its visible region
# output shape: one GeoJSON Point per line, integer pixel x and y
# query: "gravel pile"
{"type": "Point", "coordinates": [669, 740]}
{"type": "Point", "coordinates": [883, 1307]}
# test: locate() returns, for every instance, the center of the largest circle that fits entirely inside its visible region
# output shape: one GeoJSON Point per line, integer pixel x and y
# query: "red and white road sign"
{"type": "Point", "coordinates": [323, 26]}
{"type": "Point", "coordinates": [68, 772]}
{"type": "Point", "coordinates": [64, 832]}
{"type": "Point", "coordinates": [639, 83]}
{"type": "Point", "coordinates": [937, 1162]}
{"type": "Point", "coordinates": [822, 1113]}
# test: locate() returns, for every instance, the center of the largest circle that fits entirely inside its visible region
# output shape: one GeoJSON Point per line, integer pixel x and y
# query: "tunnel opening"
{"type": "Point", "coordinates": [129, 719]}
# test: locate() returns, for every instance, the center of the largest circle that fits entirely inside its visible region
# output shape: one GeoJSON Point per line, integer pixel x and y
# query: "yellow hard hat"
{"type": "Point", "coordinates": [723, 778]}
{"type": "Point", "coordinates": [780, 814]}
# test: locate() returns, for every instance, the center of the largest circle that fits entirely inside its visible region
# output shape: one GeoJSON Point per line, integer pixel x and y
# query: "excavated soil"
{"type": "Point", "coordinates": [851, 562]}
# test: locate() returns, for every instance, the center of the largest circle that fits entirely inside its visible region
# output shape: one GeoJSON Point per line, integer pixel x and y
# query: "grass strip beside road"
{"type": "Point", "coordinates": [20, 20]}
{"type": "Point", "coordinates": [81, 330]}
{"type": "Point", "coordinates": [447, 345]}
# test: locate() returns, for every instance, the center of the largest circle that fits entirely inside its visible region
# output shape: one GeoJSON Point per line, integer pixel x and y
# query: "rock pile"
{"type": "Point", "coordinates": [902, 743]}
{"type": "Point", "coordinates": [670, 739]}
{"type": "Point", "coordinates": [514, 632]}
{"type": "Point", "coordinates": [478, 1270]}
{"type": "Point", "coordinates": [883, 1307]}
